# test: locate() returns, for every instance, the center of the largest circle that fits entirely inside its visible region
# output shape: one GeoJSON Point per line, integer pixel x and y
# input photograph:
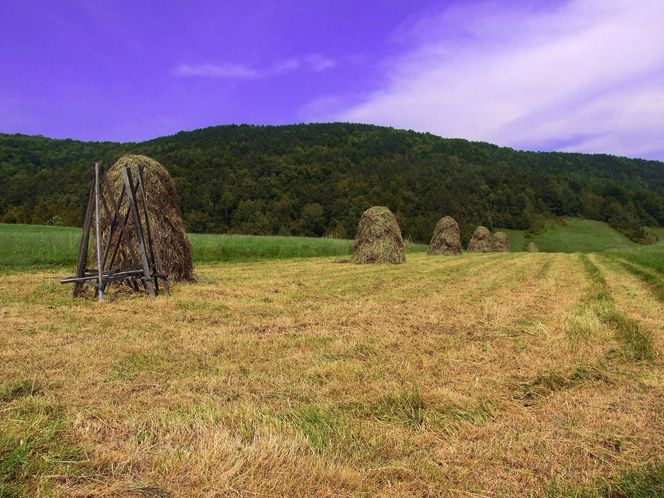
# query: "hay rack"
{"type": "Point", "coordinates": [147, 270]}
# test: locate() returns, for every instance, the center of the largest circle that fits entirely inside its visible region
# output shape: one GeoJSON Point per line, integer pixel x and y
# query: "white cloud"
{"type": "Point", "coordinates": [223, 70]}
{"type": "Point", "coordinates": [230, 70]}
{"type": "Point", "coordinates": [587, 76]}
{"type": "Point", "coordinates": [319, 63]}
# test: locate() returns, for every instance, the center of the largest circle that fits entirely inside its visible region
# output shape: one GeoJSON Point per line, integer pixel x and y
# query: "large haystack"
{"type": "Point", "coordinates": [501, 242]}
{"type": "Point", "coordinates": [378, 238]}
{"type": "Point", "coordinates": [168, 230]}
{"type": "Point", "coordinates": [481, 240]}
{"type": "Point", "coordinates": [532, 247]}
{"type": "Point", "coordinates": [446, 238]}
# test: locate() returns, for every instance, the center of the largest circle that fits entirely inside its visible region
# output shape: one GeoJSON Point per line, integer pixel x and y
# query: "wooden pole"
{"type": "Point", "coordinates": [100, 268]}
{"type": "Point", "coordinates": [131, 193]}
{"type": "Point", "coordinates": [154, 250]}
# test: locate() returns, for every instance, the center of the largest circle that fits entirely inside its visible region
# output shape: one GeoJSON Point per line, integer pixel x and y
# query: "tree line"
{"type": "Point", "coordinates": [317, 179]}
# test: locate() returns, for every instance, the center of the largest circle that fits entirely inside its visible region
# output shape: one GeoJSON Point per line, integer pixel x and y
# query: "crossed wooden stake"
{"type": "Point", "coordinates": [145, 273]}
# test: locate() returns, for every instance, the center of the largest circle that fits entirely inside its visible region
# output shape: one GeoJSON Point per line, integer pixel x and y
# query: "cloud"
{"type": "Point", "coordinates": [229, 70]}
{"type": "Point", "coordinates": [584, 76]}
{"type": "Point", "coordinates": [224, 70]}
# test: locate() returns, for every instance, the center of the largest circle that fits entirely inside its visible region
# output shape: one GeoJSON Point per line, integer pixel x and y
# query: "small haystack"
{"type": "Point", "coordinates": [167, 227]}
{"type": "Point", "coordinates": [481, 240]}
{"type": "Point", "coordinates": [446, 238]}
{"type": "Point", "coordinates": [531, 247]}
{"type": "Point", "coordinates": [501, 242]}
{"type": "Point", "coordinates": [378, 238]}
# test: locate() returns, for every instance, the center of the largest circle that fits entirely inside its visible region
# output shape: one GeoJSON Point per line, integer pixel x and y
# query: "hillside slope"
{"type": "Point", "coordinates": [317, 179]}
{"type": "Point", "coordinates": [571, 235]}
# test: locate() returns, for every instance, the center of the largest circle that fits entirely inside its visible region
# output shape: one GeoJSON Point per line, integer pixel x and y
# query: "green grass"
{"type": "Point", "coordinates": [34, 440]}
{"type": "Point", "coordinates": [649, 256]}
{"type": "Point", "coordinates": [573, 235]}
{"type": "Point", "coordinates": [645, 482]}
{"type": "Point", "coordinates": [23, 246]}
{"type": "Point", "coordinates": [35, 246]}
{"type": "Point", "coordinates": [657, 234]}
{"type": "Point", "coordinates": [517, 239]}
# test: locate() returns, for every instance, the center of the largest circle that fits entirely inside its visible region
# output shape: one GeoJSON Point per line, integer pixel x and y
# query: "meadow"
{"type": "Point", "coordinates": [573, 235]}
{"type": "Point", "coordinates": [513, 374]}
{"type": "Point", "coordinates": [25, 247]}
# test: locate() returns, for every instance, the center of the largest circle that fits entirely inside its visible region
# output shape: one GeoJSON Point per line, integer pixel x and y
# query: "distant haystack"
{"type": "Point", "coordinates": [378, 238]}
{"type": "Point", "coordinates": [446, 238]}
{"type": "Point", "coordinates": [168, 230]}
{"type": "Point", "coordinates": [501, 242]}
{"type": "Point", "coordinates": [531, 247]}
{"type": "Point", "coordinates": [481, 240]}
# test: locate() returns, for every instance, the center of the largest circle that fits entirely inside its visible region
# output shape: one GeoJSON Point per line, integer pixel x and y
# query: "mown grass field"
{"type": "Point", "coordinates": [37, 246]}
{"type": "Point", "coordinates": [478, 375]}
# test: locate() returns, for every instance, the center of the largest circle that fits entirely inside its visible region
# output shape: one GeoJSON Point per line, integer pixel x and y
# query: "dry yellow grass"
{"type": "Point", "coordinates": [486, 374]}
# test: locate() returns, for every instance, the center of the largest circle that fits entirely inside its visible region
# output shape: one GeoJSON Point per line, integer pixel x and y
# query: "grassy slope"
{"type": "Point", "coordinates": [574, 235]}
{"type": "Point", "coordinates": [492, 375]}
{"type": "Point", "coordinates": [34, 246]}
{"type": "Point", "coordinates": [651, 257]}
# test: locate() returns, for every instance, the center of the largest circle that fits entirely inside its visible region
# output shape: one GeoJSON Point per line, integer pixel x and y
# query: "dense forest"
{"type": "Point", "coordinates": [317, 179]}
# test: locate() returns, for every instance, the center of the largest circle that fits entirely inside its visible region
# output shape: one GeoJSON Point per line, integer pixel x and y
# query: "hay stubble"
{"type": "Point", "coordinates": [309, 377]}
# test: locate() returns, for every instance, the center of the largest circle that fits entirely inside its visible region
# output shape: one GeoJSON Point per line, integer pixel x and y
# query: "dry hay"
{"type": "Point", "coordinates": [481, 240]}
{"type": "Point", "coordinates": [532, 247]}
{"type": "Point", "coordinates": [167, 227]}
{"type": "Point", "coordinates": [501, 242]}
{"type": "Point", "coordinates": [446, 238]}
{"type": "Point", "coordinates": [378, 238]}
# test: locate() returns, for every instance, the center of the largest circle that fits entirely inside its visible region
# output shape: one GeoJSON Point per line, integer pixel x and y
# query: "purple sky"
{"type": "Point", "coordinates": [575, 75]}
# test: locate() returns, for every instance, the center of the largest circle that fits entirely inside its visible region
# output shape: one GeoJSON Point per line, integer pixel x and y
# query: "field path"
{"type": "Point", "coordinates": [488, 374]}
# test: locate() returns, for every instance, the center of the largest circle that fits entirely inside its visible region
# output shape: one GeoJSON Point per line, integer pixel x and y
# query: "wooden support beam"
{"type": "Point", "coordinates": [100, 266]}
{"type": "Point", "coordinates": [156, 257]}
{"type": "Point", "coordinates": [150, 268]}
{"type": "Point", "coordinates": [149, 282]}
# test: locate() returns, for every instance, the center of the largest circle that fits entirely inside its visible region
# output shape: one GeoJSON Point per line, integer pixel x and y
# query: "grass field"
{"type": "Point", "coordinates": [573, 235]}
{"type": "Point", "coordinates": [479, 375]}
{"type": "Point", "coordinates": [36, 246]}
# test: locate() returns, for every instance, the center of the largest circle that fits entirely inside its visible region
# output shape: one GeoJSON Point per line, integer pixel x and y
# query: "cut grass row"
{"type": "Point", "coordinates": [636, 347]}
{"type": "Point", "coordinates": [653, 280]}
{"type": "Point", "coordinates": [636, 343]}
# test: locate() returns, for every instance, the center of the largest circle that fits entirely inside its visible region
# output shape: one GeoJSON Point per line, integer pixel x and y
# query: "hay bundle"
{"type": "Point", "coordinates": [446, 238]}
{"type": "Point", "coordinates": [481, 240]}
{"type": "Point", "coordinates": [167, 228]}
{"type": "Point", "coordinates": [501, 242]}
{"type": "Point", "coordinates": [378, 238]}
{"type": "Point", "coordinates": [531, 247]}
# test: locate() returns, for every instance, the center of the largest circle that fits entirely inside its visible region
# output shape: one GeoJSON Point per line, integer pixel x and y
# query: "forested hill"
{"type": "Point", "coordinates": [317, 179]}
